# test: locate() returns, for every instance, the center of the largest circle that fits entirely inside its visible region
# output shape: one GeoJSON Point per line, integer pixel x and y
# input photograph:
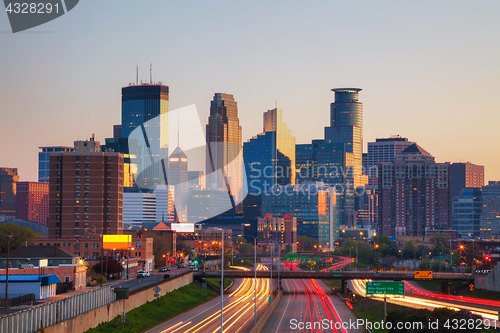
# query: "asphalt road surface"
{"type": "Point", "coordinates": [134, 282]}
{"type": "Point", "coordinates": [238, 314]}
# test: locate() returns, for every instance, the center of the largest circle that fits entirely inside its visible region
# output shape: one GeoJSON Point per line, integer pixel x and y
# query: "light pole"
{"type": "Point", "coordinates": [7, 273]}
{"type": "Point", "coordinates": [278, 244]}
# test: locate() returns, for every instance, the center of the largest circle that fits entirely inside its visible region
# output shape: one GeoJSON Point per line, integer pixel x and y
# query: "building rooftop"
{"type": "Point", "coordinates": [346, 90]}
{"type": "Point", "coordinates": [39, 252]}
{"type": "Point", "coordinates": [414, 149]}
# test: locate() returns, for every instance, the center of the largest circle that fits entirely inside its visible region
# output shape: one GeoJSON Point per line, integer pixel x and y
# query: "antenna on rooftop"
{"type": "Point", "coordinates": [150, 73]}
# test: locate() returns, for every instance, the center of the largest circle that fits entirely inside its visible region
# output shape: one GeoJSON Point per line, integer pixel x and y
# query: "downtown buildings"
{"type": "Point", "coordinates": [414, 194]}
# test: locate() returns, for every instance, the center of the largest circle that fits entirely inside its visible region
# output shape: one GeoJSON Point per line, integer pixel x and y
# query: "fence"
{"type": "Point", "coordinates": [17, 300]}
{"type": "Point", "coordinates": [29, 321]}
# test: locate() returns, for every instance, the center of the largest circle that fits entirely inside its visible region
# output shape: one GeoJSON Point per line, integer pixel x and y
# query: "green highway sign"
{"type": "Point", "coordinates": [385, 288]}
{"type": "Point", "coordinates": [304, 259]}
{"type": "Point", "coordinates": [337, 275]}
{"type": "Point", "coordinates": [316, 258]}
{"type": "Point", "coordinates": [291, 258]}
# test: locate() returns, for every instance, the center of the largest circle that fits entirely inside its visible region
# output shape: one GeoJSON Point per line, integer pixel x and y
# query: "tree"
{"type": "Point", "coordinates": [20, 235]}
{"type": "Point", "coordinates": [114, 266]}
{"type": "Point", "coordinates": [307, 243]}
{"type": "Point", "coordinates": [410, 250]}
{"type": "Point", "coordinates": [440, 243]}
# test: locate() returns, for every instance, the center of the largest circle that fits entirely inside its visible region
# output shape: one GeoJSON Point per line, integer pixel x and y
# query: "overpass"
{"type": "Point", "coordinates": [444, 278]}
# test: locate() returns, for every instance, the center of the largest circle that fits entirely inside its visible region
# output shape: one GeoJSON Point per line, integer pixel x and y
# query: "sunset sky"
{"type": "Point", "coordinates": [429, 70]}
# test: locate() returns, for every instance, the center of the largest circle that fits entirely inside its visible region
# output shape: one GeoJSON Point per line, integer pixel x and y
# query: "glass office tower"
{"type": "Point", "coordinates": [141, 106]}
{"type": "Point", "coordinates": [346, 126]}
{"type": "Point", "coordinates": [270, 156]}
{"type": "Point", "coordinates": [332, 164]}
{"type": "Point", "coordinates": [223, 135]}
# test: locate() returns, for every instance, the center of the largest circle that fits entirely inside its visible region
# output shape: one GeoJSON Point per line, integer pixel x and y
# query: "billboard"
{"type": "Point", "coordinates": [116, 242]}
{"type": "Point", "coordinates": [182, 227]}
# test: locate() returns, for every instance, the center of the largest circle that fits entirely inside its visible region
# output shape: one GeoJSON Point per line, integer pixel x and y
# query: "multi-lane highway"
{"type": "Point", "coordinates": [309, 305]}
{"type": "Point", "coordinates": [238, 313]}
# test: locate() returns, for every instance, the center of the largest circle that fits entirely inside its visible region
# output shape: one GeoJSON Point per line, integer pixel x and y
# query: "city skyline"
{"type": "Point", "coordinates": [420, 81]}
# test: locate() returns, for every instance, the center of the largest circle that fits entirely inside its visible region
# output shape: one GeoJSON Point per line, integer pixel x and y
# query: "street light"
{"type": "Point", "coordinates": [7, 273]}
{"type": "Point", "coordinates": [255, 277]}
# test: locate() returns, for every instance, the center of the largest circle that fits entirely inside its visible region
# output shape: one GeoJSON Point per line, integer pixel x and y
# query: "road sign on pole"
{"type": "Point", "coordinates": [385, 288]}
{"type": "Point", "coordinates": [304, 259]}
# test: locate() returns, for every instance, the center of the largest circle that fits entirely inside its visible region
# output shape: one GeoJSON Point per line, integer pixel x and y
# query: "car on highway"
{"type": "Point", "coordinates": [166, 276]}
{"type": "Point", "coordinates": [163, 269]}
{"type": "Point", "coordinates": [142, 274]}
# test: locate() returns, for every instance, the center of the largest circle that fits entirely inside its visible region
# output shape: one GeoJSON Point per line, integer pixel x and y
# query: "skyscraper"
{"type": "Point", "coordinates": [224, 146]}
{"type": "Point", "coordinates": [142, 106]}
{"type": "Point", "coordinates": [346, 126]}
{"type": "Point", "coordinates": [44, 160]}
{"type": "Point", "coordinates": [490, 217]}
{"type": "Point", "coordinates": [414, 194]}
{"type": "Point", "coordinates": [32, 202]}
{"type": "Point", "coordinates": [464, 175]}
{"type": "Point", "coordinates": [466, 213]}
{"type": "Point", "coordinates": [313, 203]}
{"type": "Point", "coordinates": [85, 193]}
{"type": "Point", "coordinates": [141, 103]}
{"type": "Point", "coordinates": [332, 164]}
{"type": "Point", "coordinates": [270, 156]}
{"type": "Point", "coordinates": [383, 150]}
{"type": "Point", "coordinates": [178, 179]}
{"type": "Point", "coordinates": [8, 190]}
{"type": "Point", "coordinates": [138, 209]}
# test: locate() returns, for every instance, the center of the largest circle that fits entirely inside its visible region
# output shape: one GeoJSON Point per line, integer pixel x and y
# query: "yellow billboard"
{"type": "Point", "coordinates": [116, 242]}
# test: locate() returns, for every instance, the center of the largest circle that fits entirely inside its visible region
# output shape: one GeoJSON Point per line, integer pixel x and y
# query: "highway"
{"type": "Point", "coordinates": [423, 299]}
{"type": "Point", "coordinates": [309, 305]}
{"type": "Point", "coordinates": [238, 312]}
{"type": "Point", "coordinates": [133, 282]}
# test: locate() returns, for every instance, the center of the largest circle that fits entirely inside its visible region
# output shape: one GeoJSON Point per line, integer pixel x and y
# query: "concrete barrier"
{"type": "Point", "coordinates": [107, 313]}
{"type": "Point", "coordinates": [263, 320]}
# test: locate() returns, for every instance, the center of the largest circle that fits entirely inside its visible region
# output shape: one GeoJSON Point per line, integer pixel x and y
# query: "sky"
{"type": "Point", "coordinates": [429, 70]}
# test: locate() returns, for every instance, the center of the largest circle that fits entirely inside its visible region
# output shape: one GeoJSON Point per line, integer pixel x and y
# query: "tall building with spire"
{"type": "Point", "coordinates": [270, 155]}
{"type": "Point", "coordinates": [178, 179]}
{"type": "Point", "coordinates": [224, 147]}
